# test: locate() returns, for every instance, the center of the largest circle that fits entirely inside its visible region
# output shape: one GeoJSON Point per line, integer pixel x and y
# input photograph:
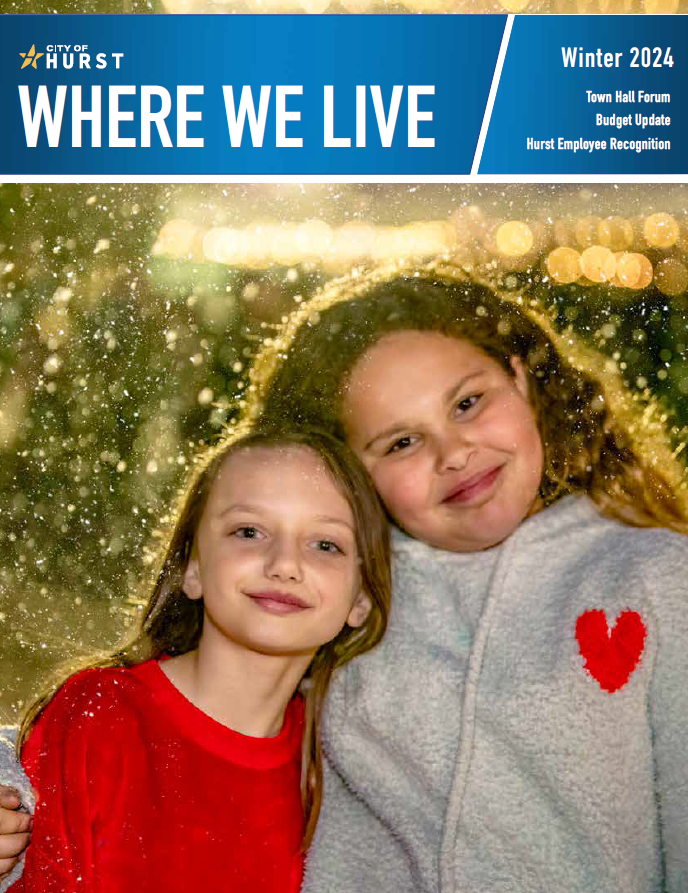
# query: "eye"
{"type": "Point", "coordinates": [246, 533]}
{"type": "Point", "coordinates": [328, 546]}
{"type": "Point", "coordinates": [467, 403]}
{"type": "Point", "coordinates": [402, 444]}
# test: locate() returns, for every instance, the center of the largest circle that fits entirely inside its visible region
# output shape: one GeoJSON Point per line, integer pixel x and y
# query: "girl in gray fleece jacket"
{"type": "Point", "coordinates": [524, 724]}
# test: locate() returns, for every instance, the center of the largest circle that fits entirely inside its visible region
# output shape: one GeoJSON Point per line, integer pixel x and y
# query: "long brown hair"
{"type": "Point", "coordinates": [171, 623]}
{"type": "Point", "coordinates": [598, 437]}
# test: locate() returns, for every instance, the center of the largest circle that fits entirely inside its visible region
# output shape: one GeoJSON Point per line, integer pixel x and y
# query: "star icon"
{"type": "Point", "coordinates": [30, 57]}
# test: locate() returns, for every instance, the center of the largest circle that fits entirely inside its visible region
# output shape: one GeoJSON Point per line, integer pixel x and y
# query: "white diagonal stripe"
{"type": "Point", "coordinates": [493, 92]}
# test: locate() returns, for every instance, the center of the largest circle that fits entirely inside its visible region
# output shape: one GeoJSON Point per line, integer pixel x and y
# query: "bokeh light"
{"type": "Point", "coordinates": [564, 265]}
{"type": "Point", "coordinates": [598, 264]}
{"type": "Point", "coordinates": [671, 277]}
{"type": "Point", "coordinates": [615, 233]}
{"type": "Point", "coordinates": [514, 238]}
{"type": "Point", "coordinates": [660, 230]}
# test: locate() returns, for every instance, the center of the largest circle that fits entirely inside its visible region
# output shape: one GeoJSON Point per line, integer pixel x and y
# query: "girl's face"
{"type": "Point", "coordinates": [275, 555]}
{"type": "Point", "coordinates": [449, 437]}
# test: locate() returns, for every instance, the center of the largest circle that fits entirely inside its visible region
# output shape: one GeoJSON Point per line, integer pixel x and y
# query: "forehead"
{"type": "Point", "coordinates": [393, 350]}
{"type": "Point", "coordinates": [277, 476]}
{"type": "Point", "coordinates": [412, 360]}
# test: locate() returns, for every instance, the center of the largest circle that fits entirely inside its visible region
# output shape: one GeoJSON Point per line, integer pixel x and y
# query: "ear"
{"type": "Point", "coordinates": [192, 580]}
{"type": "Point", "coordinates": [520, 376]}
{"type": "Point", "coordinates": [359, 610]}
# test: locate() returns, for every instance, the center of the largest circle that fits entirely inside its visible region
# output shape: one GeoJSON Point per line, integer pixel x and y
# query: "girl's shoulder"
{"type": "Point", "coordinates": [636, 544]}
{"type": "Point", "coordinates": [93, 730]}
{"type": "Point", "coordinates": [94, 681]}
{"type": "Point", "coordinates": [99, 710]}
{"type": "Point", "coordinates": [577, 522]}
{"type": "Point", "coordinates": [580, 546]}
{"type": "Point", "coordinates": [106, 694]}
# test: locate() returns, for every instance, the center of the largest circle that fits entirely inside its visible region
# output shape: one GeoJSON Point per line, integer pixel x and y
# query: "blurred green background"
{"type": "Point", "coordinates": [129, 312]}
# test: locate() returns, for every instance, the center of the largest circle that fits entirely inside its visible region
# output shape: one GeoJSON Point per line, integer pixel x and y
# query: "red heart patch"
{"type": "Point", "coordinates": [611, 655]}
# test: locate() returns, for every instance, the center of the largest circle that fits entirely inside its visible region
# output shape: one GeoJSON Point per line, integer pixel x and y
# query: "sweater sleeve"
{"type": "Point", "coordinates": [11, 771]}
{"type": "Point", "coordinates": [666, 580]}
{"type": "Point", "coordinates": [12, 774]}
{"type": "Point", "coordinates": [73, 758]}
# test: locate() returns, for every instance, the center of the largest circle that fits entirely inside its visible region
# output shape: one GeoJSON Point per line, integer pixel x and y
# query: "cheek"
{"type": "Point", "coordinates": [536, 451]}
{"type": "Point", "coordinates": [527, 446]}
{"type": "Point", "coordinates": [530, 442]}
{"type": "Point", "coordinates": [338, 588]}
{"type": "Point", "coordinates": [227, 563]}
{"type": "Point", "coordinates": [513, 426]}
{"type": "Point", "coordinates": [403, 488]}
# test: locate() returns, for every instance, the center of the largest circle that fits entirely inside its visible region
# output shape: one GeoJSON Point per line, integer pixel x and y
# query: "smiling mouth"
{"type": "Point", "coordinates": [278, 602]}
{"type": "Point", "coordinates": [474, 487]}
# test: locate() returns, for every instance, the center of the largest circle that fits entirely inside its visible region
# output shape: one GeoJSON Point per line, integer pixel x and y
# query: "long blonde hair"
{"type": "Point", "coordinates": [171, 623]}
{"type": "Point", "coordinates": [598, 437]}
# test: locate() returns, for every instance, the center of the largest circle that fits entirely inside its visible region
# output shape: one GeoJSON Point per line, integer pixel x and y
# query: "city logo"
{"type": "Point", "coordinates": [30, 57]}
{"type": "Point", "coordinates": [67, 55]}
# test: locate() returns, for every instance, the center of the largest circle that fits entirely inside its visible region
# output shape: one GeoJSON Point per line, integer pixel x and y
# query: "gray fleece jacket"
{"type": "Point", "coordinates": [503, 738]}
{"type": "Point", "coordinates": [496, 743]}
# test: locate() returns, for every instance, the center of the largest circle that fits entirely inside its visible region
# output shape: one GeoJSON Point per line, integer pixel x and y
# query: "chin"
{"type": "Point", "coordinates": [489, 537]}
{"type": "Point", "coordinates": [499, 534]}
{"type": "Point", "coordinates": [279, 649]}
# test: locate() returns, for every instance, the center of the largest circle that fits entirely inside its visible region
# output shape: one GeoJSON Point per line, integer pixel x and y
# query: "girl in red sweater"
{"type": "Point", "coordinates": [187, 759]}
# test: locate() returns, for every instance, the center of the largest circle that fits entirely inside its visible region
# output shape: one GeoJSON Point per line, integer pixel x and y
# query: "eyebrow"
{"type": "Point", "coordinates": [448, 395]}
{"type": "Point", "coordinates": [240, 507]}
{"type": "Point", "coordinates": [326, 519]}
{"type": "Point", "coordinates": [257, 510]}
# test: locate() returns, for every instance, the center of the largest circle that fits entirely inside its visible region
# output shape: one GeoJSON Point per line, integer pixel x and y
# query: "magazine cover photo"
{"type": "Point", "coordinates": [343, 537]}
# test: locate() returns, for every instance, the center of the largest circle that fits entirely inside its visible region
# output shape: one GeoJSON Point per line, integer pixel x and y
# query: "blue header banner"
{"type": "Point", "coordinates": [240, 95]}
{"type": "Point", "coordinates": [341, 95]}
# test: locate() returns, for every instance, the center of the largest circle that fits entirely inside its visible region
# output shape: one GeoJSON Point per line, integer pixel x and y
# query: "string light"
{"type": "Point", "coordinates": [177, 238]}
{"type": "Point", "coordinates": [563, 231]}
{"type": "Point", "coordinates": [646, 271]}
{"type": "Point", "coordinates": [469, 237]}
{"type": "Point", "coordinates": [585, 230]}
{"type": "Point", "coordinates": [615, 233]}
{"type": "Point", "coordinates": [628, 269]}
{"type": "Point", "coordinates": [661, 230]}
{"type": "Point", "coordinates": [564, 265]}
{"type": "Point", "coordinates": [514, 238]}
{"type": "Point", "coordinates": [598, 263]}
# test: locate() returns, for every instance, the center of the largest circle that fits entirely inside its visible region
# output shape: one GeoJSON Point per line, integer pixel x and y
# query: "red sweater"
{"type": "Point", "coordinates": [141, 791]}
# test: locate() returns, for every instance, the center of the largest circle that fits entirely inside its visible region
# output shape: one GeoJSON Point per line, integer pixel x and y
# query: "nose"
{"type": "Point", "coordinates": [453, 450]}
{"type": "Point", "coordinates": [283, 561]}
